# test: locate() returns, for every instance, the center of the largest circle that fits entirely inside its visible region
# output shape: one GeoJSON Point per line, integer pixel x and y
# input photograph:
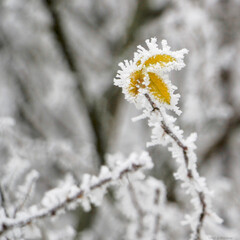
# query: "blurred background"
{"type": "Point", "coordinates": [58, 59]}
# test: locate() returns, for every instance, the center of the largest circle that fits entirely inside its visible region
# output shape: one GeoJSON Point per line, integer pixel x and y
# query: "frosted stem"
{"type": "Point", "coordinates": [10, 223]}
{"type": "Point", "coordinates": [157, 217]}
{"type": "Point", "coordinates": [139, 210]}
{"type": "Point", "coordinates": [190, 176]}
{"type": "Point", "coordinates": [3, 201]}
{"type": "Point", "coordinates": [27, 195]}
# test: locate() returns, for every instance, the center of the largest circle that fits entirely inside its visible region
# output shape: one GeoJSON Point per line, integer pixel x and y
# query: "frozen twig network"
{"type": "Point", "coordinates": [91, 190]}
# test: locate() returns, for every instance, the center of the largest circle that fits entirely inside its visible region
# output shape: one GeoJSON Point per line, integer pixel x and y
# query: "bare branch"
{"type": "Point", "coordinates": [77, 74]}
{"type": "Point", "coordinates": [232, 125]}
{"type": "Point", "coordinates": [3, 201]}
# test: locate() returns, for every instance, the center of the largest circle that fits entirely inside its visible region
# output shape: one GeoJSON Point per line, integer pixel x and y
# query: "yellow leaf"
{"type": "Point", "coordinates": [137, 79]}
{"type": "Point", "coordinates": [158, 88]}
{"type": "Point", "coordinates": [162, 59]}
{"type": "Point", "coordinates": [138, 62]}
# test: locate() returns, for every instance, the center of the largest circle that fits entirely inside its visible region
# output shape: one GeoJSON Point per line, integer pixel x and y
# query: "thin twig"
{"type": "Point", "coordinates": [3, 201]}
{"type": "Point", "coordinates": [22, 203]}
{"type": "Point", "coordinates": [201, 195]}
{"type": "Point", "coordinates": [141, 213]}
{"type": "Point", "coordinates": [157, 217]}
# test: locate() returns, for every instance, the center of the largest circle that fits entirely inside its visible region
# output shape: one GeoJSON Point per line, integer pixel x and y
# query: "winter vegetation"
{"type": "Point", "coordinates": [94, 149]}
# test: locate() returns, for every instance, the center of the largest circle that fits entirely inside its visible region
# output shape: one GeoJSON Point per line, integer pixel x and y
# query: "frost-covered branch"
{"type": "Point", "coordinates": [27, 189]}
{"type": "Point", "coordinates": [159, 195]}
{"type": "Point", "coordinates": [192, 178]}
{"type": "Point", "coordinates": [3, 201]}
{"type": "Point", "coordinates": [147, 219]}
{"type": "Point", "coordinates": [145, 82]}
{"type": "Point", "coordinates": [141, 213]}
{"type": "Point", "coordinates": [142, 201]}
{"type": "Point", "coordinates": [91, 190]}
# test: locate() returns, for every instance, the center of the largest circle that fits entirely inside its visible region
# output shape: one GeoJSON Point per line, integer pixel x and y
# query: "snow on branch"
{"type": "Point", "coordinates": [145, 82]}
{"type": "Point", "coordinates": [165, 132]}
{"type": "Point", "coordinates": [69, 196]}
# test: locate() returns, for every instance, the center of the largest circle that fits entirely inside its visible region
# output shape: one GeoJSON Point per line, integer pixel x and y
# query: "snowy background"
{"type": "Point", "coordinates": [61, 116]}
